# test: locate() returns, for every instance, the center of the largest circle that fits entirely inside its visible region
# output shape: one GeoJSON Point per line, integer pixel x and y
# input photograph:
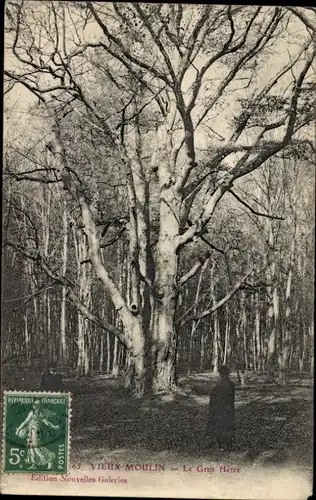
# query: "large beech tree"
{"type": "Point", "coordinates": [188, 100]}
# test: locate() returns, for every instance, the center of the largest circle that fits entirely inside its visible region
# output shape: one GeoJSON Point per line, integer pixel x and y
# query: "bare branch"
{"type": "Point", "coordinates": [31, 296]}
{"type": "Point", "coordinates": [219, 304]}
{"type": "Point", "coordinates": [202, 237]}
{"type": "Point", "coordinates": [252, 209]}
{"type": "Point", "coordinates": [195, 269]}
{"type": "Point", "coordinates": [123, 49]}
{"type": "Point", "coordinates": [303, 18]}
{"type": "Point", "coordinates": [244, 167]}
{"type": "Point", "coordinates": [107, 244]}
{"type": "Point", "coordinates": [157, 41]}
{"type": "Point", "coordinates": [85, 311]}
{"type": "Point", "coordinates": [261, 41]}
{"type": "Point", "coordinates": [22, 177]}
{"type": "Point", "coordinates": [226, 49]}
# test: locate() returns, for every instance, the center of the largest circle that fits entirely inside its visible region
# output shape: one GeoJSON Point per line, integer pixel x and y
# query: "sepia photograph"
{"type": "Point", "coordinates": [158, 226]}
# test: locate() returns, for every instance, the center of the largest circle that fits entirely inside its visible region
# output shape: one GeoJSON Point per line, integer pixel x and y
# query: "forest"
{"type": "Point", "coordinates": [158, 191]}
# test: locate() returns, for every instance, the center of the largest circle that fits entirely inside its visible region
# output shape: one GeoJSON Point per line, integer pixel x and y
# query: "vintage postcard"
{"type": "Point", "coordinates": [158, 250]}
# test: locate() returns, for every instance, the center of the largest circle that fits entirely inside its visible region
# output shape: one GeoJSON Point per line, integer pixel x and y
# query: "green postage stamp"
{"type": "Point", "coordinates": [36, 435]}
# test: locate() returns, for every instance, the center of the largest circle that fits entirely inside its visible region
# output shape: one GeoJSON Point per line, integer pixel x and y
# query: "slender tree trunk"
{"type": "Point", "coordinates": [287, 329]}
{"type": "Point", "coordinates": [81, 345]}
{"type": "Point", "coordinates": [286, 345]}
{"type": "Point", "coordinates": [238, 348]}
{"type": "Point", "coordinates": [215, 342]}
{"type": "Point", "coordinates": [83, 361]}
{"type": "Point", "coordinates": [121, 357]}
{"type": "Point", "coordinates": [115, 365]}
{"type": "Point", "coordinates": [227, 334]}
{"type": "Point", "coordinates": [195, 323]}
{"type": "Point", "coordinates": [253, 336]}
{"type": "Point", "coordinates": [258, 334]}
{"type": "Point", "coordinates": [215, 322]}
{"type": "Point", "coordinates": [190, 353]}
{"type": "Point", "coordinates": [311, 336]}
{"type": "Point", "coordinates": [291, 356]}
{"type": "Point", "coordinates": [243, 327]}
{"type": "Point", "coordinates": [302, 359]}
{"type": "Point", "coordinates": [46, 239]}
{"type": "Point", "coordinates": [27, 339]}
{"type": "Point", "coordinates": [272, 320]}
{"type": "Point", "coordinates": [108, 353]}
{"type": "Point", "coordinates": [101, 358]}
{"type": "Point", "coordinates": [202, 351]}
{"type": "Point", "coordinates": [27, 331]}
{"type": "Point", "coordinates": [63, 344]}
{"type": "Point", "coordinates": [87, 351]}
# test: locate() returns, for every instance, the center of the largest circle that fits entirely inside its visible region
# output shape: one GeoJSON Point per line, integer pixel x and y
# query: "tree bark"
{"type": "Point", "coordinates": [227, 336]}
{"type": "Point", "coordinates": [195, 323]}
{"type": "Point", "coordinates": [63, 318]}
{"type": "Point", "coordinates": [108, 353]}
{"type": "Point", "coordinates": [84, 278]}
{"type": "Point", "coordinates": [164, 335]}
{"type": "Point", "coordinates": [286, 344]}
{"type": "Point", "coordinates": [311, 336]}
{"type": "Point", "coordinates": [273, 306]}
{"type": "Point", "coordinates": [101, 358]}
{"type": "Point", "coordinates": [115, 364]}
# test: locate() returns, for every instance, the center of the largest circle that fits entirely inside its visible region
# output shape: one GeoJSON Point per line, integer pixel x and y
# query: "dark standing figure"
{"type": "Point", "coordinates": [221, 421]}
{"type": "Point", "coordinates": [52, 381]}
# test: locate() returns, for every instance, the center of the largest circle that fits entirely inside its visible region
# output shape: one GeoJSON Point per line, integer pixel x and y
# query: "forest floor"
{"type": "Point", "coordinates": [274, 424]}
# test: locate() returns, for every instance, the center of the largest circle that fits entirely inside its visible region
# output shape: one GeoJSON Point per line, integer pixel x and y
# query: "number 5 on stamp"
{"type": "Point", "coordinates": [36, 434]}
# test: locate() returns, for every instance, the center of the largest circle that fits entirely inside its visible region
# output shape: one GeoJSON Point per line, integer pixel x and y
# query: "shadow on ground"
{"type": "Point", "coordinates": [274, 424]}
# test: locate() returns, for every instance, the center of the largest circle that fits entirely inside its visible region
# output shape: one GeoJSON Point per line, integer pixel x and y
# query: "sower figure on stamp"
{"type": "Point", "coordinates": [52, 381]}
{"type": "Point", "coordinates": [221, 420]}
{"type": "Point", "coordinates": [32, 429]}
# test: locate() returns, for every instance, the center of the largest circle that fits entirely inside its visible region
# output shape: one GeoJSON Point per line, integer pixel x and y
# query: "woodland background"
{"type": "Point", "coordinates": [107, 106]}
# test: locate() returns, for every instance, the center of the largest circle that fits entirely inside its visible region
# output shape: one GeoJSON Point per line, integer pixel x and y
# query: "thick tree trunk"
{"type": "Point", "coordinates": [163, 360]}
{"type": "Point", "coordinates": [135, 378]}
{"type": "Point", "coordinates": [161, 374]}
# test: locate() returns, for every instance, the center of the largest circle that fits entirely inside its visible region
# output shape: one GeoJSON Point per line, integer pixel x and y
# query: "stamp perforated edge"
{"type": "Point", "coordinates": [35, 394]}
